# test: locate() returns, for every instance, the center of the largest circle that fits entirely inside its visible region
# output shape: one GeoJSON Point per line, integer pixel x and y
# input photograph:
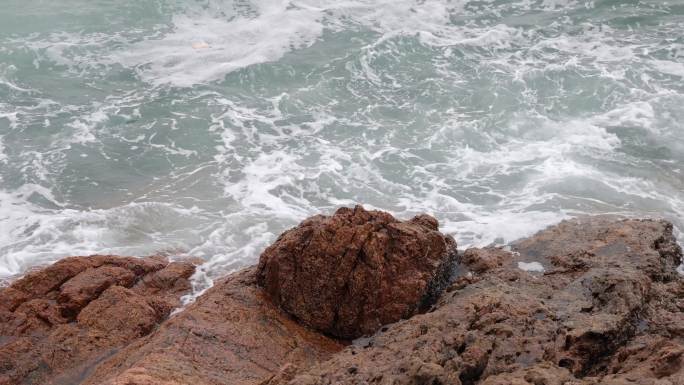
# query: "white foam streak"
{"type": "Point", "coordinates": [3, 156]}
{"type": "Point", "coordinates": [31, 235]}
{"type": "Point", "coordinates": [456, 108]}
{"type": "Point", "coordinates": [10, 116]}
{"type": "Point", "coordinates": [264, 186]}
{"type": "Point", "coordinates": [203, 47]}
{"type": "Point", "coordinates": [534, 267]}
{"type": "Point", "coordinates": [669, 67]}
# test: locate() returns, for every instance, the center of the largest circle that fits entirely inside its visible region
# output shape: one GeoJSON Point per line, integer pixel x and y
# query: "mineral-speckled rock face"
{"type": "Point", "coordinates": [350, 273]}
{"type": "Point", "coordinates": [231, 335]}
{"type": "Point", "coordinates": [607, 310]}
{"type": "Point", "coordinates": [59, 322]}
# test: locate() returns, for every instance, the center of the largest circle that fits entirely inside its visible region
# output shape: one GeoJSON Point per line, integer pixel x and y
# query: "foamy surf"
{"type": "Point", "coordinates": [204, 44]}
{"type": "Point", "coordinates": [206, 129]}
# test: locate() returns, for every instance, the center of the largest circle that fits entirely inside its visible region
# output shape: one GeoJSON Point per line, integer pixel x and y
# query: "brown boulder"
{"type": "Point", "coordinates": [75, 293]}
{"type": "Point", "coordinates": [103, 315]}
{"type": "Point", "coordinates": [599, 315]}
{"type": "Point", "coordinates": [235, 334]}
{"type": "Point", "coordinates": [608, 309]}
{"type": "Point", "coordinates": [350, 273]}
{"type": "Point", "coordinates": [59, 322]}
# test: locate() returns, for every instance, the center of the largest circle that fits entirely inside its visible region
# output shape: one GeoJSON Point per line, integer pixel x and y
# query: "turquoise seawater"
{"type": "Point", "coordinates": [206, 128]}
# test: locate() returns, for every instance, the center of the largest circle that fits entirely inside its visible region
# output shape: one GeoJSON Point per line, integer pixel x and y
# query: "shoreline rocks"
{"type": "Point", "coordinates": [232, 334]}
{"type": "Point", "coordinates": [607, 309]}
{"type": "Point", "coordinates": [59, 322]}
{"type": "Point", "coordinates": [348, 274]}
{"type": "Point", "coordinates": [609, 292]}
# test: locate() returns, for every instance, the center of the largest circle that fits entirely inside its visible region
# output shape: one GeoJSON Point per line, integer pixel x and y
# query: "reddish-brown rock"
{"type": "Point", "coordinates": [350, 273]}
{"type": "Point", "coordinates": [232, 335]}
{"type": "Point", "coordinates": [607, 310]}
{"type": "Point", "coordinates": [59, 322]}
{"type": "Point", "coordinates": [603, 312]}
{"type": "Point", "coordinates": [539, 374]}
{"type": "Point", "coordinates": [482, 260]}
{"type": "Point", "coordinates": [75, 293]}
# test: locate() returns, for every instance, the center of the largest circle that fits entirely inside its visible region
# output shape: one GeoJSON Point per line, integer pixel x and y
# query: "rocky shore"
{"type": "Point", "coordinates": [360, 297]}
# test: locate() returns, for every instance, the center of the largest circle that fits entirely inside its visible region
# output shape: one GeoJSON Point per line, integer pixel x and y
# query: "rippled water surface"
{"type": "Point", "coordinates": [206, 128]}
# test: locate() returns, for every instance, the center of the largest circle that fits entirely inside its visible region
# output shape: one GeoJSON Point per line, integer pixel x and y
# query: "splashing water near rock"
{"type": "Point", "coordinates": [207, 128]}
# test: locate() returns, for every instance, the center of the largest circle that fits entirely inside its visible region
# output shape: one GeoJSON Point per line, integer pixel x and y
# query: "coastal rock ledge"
{"type": "Point", "coordinates": [590, 301]}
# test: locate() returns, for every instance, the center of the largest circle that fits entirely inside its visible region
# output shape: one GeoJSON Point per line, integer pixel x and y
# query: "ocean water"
{"type": "Point", "coordinates": [206, 128]}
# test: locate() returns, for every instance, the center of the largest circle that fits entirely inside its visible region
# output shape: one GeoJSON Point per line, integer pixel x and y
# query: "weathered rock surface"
{"type": "Point", "coordinates": [56, 324]}
{"type": "Point", "coordinates": [231, 335]}
{"type": "Point", "coordinates": [350, 273]}
{"type": "Point", "coordinates": [607, 310]}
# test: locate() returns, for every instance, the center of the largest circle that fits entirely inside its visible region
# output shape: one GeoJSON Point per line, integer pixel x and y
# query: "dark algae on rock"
{"type": "Point", "coordinates": [608, 309]}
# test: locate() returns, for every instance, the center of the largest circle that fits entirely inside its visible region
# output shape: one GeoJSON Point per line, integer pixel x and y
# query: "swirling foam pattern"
{"type": "Point", "coordinates": [206, 128]}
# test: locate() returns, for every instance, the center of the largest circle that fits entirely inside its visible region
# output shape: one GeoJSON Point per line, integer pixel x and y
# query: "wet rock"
{"type": "Point", "coordinates": [482, 260]}
{"type": "Point", "coordinates": [78, 291]}
{"type": "Point", "coordinates": [104, 315]}
{"type": "Point", "coordinates": [544, 374]}
{"type": "Point", "coordinates": [232, 334]}
{"type": "Point", "coordinates": [350, 273]}
{"type": "Point", "coordinates": [171, 279]}
{"type": "Point", "coordinates": [57, 323]}
{"type": "Point", "coordinates": [607, 310]}
{"type": "Point", "coordinates": [611, 292]}
{"type": "Point", "coordinates": [11, 298]}
{"type": "Point", "coordinates": [647, 360]}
